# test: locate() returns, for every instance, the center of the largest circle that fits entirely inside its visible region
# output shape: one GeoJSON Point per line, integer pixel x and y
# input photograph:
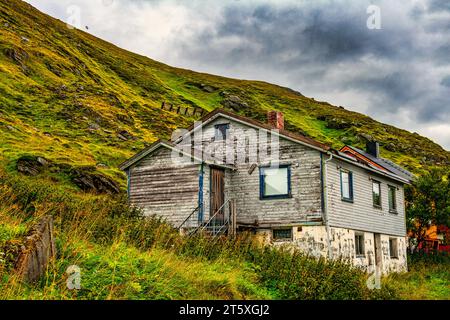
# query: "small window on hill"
{"type": "Point", "coordinates": [221, 130]}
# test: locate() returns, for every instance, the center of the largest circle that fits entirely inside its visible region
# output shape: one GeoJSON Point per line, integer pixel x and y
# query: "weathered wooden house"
{"type": "Point", "coordinates": [228, 173]}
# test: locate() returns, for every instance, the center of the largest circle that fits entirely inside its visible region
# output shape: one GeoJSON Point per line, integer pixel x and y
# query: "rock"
{"type": "Point", "coordinates": [11, 128]}
{"type": "Point", "coordinates": [88, 180]}
{"type": "Point", "coordinates": [235, 103]}
{"type": "Point", "coordinates": [365, 136]}
{"type": "Point", "coordinates": [125, 119]}
{"type": "Point", "coordinates": [93, 127]}
{"type": "Point", "coordinates": [125, 135]}
{"type": "Point", "coordinates": [32, 165]}
{"type": "Point", "coordinates": [390, 147]}
{"type": "Point", "coordinates": [101, 165]}
{"type": "Point", "coordinates": [47, 134]}
{"type": "Point", "coordinates": [207, 88]}
{"type": "Point", "coordinates": [24, 39]}
{"type": "Point", "coordinates": [18, 55]}
{"type": "Point", "coordinates": [336, 123]}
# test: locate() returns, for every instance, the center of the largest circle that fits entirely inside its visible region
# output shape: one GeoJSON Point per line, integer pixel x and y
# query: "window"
{"type": "Point", "coordinates": [220, 131]}
{"type": "Point", "coordinates": [347, 185]}
{"type": "Point", "coordinates": [392, 199]}
{"type": "Point", "coordinates": [393, 248]}
{"type": "Point", "coordinates": [282, 234]}
{"type": "Point", "coordinates": [275, 182]}
{"type": "Point", "coordinates": [359, 244]}
{"type": "Point", "coordinates": [376, 194]}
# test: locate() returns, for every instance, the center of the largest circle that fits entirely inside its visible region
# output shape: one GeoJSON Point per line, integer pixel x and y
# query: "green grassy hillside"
{"type": "Point", "coordinates": [66, 95]}
{"type": "Point", "coordinates": [73, 106]}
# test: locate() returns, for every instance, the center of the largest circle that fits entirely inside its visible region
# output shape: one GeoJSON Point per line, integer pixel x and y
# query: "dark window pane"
{"type": "Point", "coordinates": [392, 198]}
{"type": "Point", "coordinates": [376, 192]}
{"type": "Point", "coordinates": [282, 234]}
{"type": "Point", "coordinates": [359, 244]}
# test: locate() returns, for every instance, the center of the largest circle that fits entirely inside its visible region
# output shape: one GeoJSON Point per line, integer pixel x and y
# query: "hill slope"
{"type": "Point", "coordinates": [74, 98]}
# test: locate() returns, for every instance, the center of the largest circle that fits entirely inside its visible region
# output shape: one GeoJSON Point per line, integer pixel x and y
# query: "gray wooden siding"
{"type": "Point", "coordinates": [361, 214]}
{"type": "Point", "coordinates": [305, 205]}
{"type": "Point", "coordinates": [163, 188]}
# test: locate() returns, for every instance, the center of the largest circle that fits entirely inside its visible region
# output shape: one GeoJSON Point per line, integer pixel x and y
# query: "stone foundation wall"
{"type": "Point", "coordinates": [313, 241]}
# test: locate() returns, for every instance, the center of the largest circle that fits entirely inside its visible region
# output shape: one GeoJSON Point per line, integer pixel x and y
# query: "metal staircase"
{"type": "Point", "coordinates": [222, 222]}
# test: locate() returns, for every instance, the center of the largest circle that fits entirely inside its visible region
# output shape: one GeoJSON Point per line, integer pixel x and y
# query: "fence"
{"type": "Point", "coordinates": [38, 251]}
{"type": "Point", "coordinates": [183, 110]}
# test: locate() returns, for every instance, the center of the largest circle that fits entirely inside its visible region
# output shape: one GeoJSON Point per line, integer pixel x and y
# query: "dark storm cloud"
{"type": "Point", "coordinates": [446, 81]}
{"type": "Point", "coordinates": [439, 5]}
{"type": "Point", "coordinates": [316, 39]}
{"type": "Point", "coordinates": [325, 36]}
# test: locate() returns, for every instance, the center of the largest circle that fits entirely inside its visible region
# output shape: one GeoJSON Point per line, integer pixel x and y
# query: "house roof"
{"type": "Point", "coordinates": [255, 123]}
{"type": "Point", "coordinates": [169, 145]}
{"type": "Point", "coordinates": [379, 163]}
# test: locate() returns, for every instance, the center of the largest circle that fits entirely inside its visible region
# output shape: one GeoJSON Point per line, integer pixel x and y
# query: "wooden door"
{"type": "Point", "coordinates": [217, 193]}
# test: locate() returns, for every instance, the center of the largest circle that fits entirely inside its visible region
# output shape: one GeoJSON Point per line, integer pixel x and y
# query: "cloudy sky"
{"type": "Point", "coordinates": [395, 69]}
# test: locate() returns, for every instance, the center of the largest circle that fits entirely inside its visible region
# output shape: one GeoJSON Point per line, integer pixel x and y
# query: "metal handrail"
{"type": "Point", "coordinates": [215, 214]}
{"type": "Point", "coordinates": [195, 210]}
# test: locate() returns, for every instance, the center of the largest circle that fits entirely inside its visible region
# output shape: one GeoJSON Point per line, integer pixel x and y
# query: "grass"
{"type": "Point", "coordinates": [427, 279]}
{"type": "Point", "coordinates": [125, 256]}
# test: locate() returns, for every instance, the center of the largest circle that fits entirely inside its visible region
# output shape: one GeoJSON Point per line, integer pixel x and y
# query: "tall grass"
{"type": "Point", "coordinates": [92, 229]}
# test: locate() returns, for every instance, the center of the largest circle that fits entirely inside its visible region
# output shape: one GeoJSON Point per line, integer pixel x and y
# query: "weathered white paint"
{"type": "Point", "coordinates": [312, 241]}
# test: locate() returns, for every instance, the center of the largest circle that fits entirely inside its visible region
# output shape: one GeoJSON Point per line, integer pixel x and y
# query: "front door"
{"type": "Point", "coordinates": [217, 194]}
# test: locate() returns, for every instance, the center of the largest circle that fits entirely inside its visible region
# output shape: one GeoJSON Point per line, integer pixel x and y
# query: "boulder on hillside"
{"type": "Point", "coordinates": [234, 102]}
{"type": "Point", "coordinates": [86, 178]}
{"type": "Point", "coordinates": [91, 181]}
{"type": "Point", "coordinates": [32, 165]}
{"type": "Point", "coordinates": [125, 135]}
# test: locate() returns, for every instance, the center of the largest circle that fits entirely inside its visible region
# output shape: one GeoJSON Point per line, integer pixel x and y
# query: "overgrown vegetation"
{"type": "Point", "coordinates": [428, 277]}
{"type": "Point", "coordinates": [123, 256]}
{"type": "Point", "coordinates": [428, 203]}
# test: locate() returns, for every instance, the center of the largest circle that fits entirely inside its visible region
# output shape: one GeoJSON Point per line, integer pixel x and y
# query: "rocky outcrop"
{"type": "Point", "coordinates": [86, 178]}
{"type": "Point", "coordinates": [234, 102]}
{"type": "Point", "coordinates": [32, 165]}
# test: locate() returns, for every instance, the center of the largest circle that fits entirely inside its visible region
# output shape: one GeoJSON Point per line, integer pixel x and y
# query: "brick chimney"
{"type": "Point", "coordinates": [276, 119]}
{"type": "Point", "coordinates": [373, 148]}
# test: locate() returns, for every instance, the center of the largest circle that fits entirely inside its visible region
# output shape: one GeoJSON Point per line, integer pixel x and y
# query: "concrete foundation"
{"type": "Point", "coordinates": [383, 252]}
